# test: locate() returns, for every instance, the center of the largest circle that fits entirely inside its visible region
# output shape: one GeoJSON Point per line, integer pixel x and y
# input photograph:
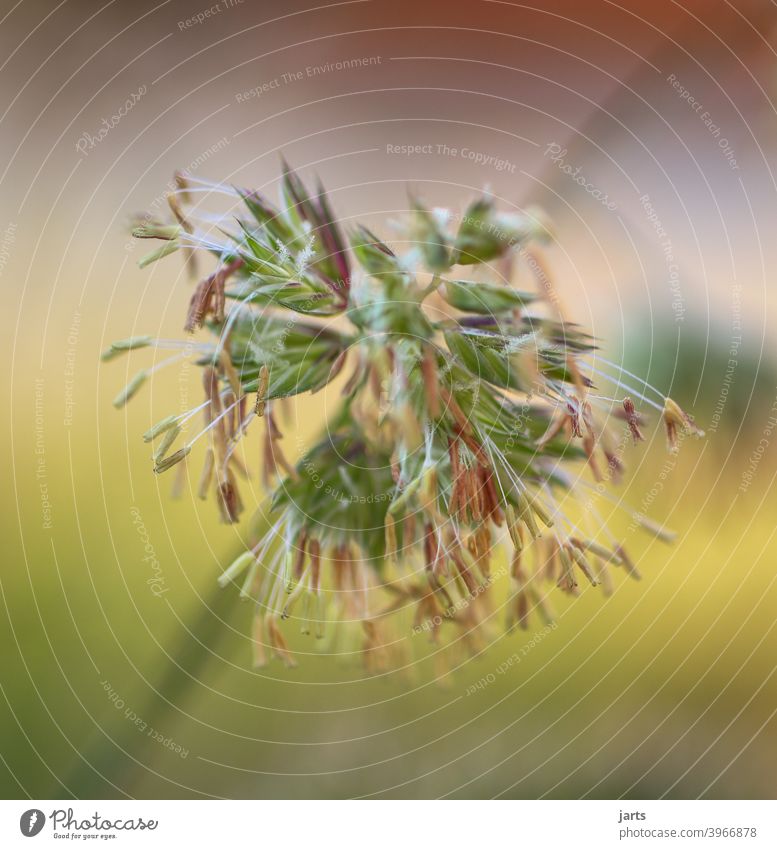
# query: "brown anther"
{"type": "Point", "coordinates": [579, 557]}
{"type": "Point", "coordinates": [555, 426]}
{"type": "Point", "coordinates": [207, 474]}
{"type": "Point", "coordinates": [175, 208]}
{"type": "Point", "coordinates": [273, 457]}
{"type": "Point", "coordinates": [431, 387]}
{"type": "Point", "coordinates": [279, 644]}
{"type": "Point", "coordinates": [522, 610]}
{"type": "Point", "coordinates": [391, 536]}
{"type": "Point", "coordinates": [614, 465]}
{"type": "Point", "coordinates": [632, 420]}
{"type": "Point", "coordinates": [199, 306]}
{"type": "Point", "coordinates": [471, 495]}
{"type": "Point", "coordinates": [628, 563]}
{"type": "Point", "coordinates": [588, 418]}
{"type": "Point", "coordinates": [454, 409]}
{"type": "Point", "coordinates": [589, 444]}
{"type": "Point", "coordinates": [372, 650]}
{"type": "Point", "coordinates": [433, 558]}
{"type": "Point", "coordinates": [408, 530]}
{"type": "Point", "coordinates": [209, 297]}
{"type": "Point", "coordinates": [230, 419]}
{"type": "Point", "coordinates": [261, 392]}
{"type": "Point", "coordinates": [573, 418]}
{"type": "Point", "coordinates": [577, 378]}
{"type": "Point", "coordinates": [551, 560]}
{"type": "Point", "coordinates": [469, 440]}
{"type": "Point", "coordinates": [210, 383]}
{"type": "Point", "coordinates": [453, 453]}
{"type": "Point", "coordinates": [229, 371]}
{"type": "Point", "coordinates": [674, 418]}
{"type": "Point", "coordinates": [567, 581]}
{"type": "Point", "coordinates": [314, 549]}
{"type": "Point", "coordinates": [337, 365]}
{"type": "Point", "coordinates": [272, 426]}
{"type": "Point", "coordinates": [492, 509]}
{"type": "Point", "coordinates": [672, 441]}
{"type": "Point", "coordinates": [337, 558]}
{"type": "Point", "coordinates": [454, 500]}
{"type": "Point", "coordinates": [229, 501]}
{"type": "Point", "coordinates": [463, 570]}
{"type": "Point", "coordinates": [184, 184]}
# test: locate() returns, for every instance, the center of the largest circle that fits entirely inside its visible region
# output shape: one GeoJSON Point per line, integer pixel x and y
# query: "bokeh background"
{"type": "Point", "coordinates": [667, 688]}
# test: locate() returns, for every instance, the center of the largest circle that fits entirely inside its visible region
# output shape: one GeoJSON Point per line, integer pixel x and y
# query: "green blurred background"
{"type": "Point", "coordinates": [665, 689]}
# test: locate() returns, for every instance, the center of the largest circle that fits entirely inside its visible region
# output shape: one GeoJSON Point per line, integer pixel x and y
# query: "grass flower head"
{"type": "Point", "coordinates": [467, 408]}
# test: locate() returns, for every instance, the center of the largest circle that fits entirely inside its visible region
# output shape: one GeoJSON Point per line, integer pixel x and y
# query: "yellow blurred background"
{"type": "Point", "coordinates": [120, 679]}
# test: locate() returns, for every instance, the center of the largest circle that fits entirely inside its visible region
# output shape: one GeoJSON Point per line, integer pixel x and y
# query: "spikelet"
{"type": "Point", "coordinates": [675, 422]}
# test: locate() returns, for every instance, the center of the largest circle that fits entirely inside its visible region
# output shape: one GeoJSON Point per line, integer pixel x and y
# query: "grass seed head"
{"type": "Point", "coordinates": [459, 428]}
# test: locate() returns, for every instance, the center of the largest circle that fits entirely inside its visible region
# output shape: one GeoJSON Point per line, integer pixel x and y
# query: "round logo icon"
{"type": "Point", "coordinates": [31, 822]}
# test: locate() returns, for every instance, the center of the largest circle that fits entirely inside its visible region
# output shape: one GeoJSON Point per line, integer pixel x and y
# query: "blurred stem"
{"type": "Point", "coordinates": [432, 287]}
{"type": "Point", "coordinates": [107, 758]}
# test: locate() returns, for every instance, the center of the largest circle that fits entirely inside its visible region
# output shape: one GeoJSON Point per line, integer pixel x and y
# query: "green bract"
{"type": "Point", "coordinates": [298, 356]}
{"type": "Point", "coordinates": [484, 298]}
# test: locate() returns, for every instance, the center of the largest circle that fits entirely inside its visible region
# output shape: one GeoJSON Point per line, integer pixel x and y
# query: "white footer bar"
{"type": "Point", "coordinates": [390, 824]}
